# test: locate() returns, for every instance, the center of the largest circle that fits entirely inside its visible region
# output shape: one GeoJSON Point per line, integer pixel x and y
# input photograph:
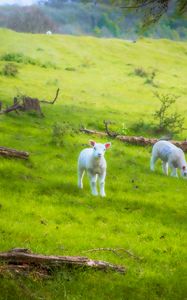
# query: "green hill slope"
{"type": "Point", "coordinates": [40, 205]}
{"type": "Point", "coordinates": [98, 72]}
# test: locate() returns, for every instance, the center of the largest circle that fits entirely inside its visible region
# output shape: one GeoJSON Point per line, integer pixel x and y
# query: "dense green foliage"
{"type": "Point", "coordinates": [101, 20]}
{"type": "Point", "coordinates": [40, 205]}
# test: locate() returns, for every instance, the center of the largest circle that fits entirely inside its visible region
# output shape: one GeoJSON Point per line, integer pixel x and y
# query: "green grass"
{"type": "Point", "coordinates": [40, 205]}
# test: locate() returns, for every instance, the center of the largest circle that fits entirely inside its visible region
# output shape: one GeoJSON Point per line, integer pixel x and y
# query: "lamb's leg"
{"type": "Point", "coordinates": [80, 177]}
{"type": "Point", "coordinates": [152, 162]}
{"type": "Point", "coordinates": [165, 167]}
{"type": "Point", "coordinates": [93, 180]}
{"type": "Point", "coordinates": [102, 184]}
{"type": "Point", "coordinates": [173, 170]}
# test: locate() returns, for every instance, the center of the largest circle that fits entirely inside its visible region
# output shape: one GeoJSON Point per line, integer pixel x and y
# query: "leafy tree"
{"type": "Point", "coordinates": [30, 19]}
{"type": "Point", "coordinates": [105, 21]}
{"type": "Point", "coordinates": [149, 10]}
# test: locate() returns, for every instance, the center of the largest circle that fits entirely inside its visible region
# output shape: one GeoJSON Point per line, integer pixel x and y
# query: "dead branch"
{"type": "Point", "coordinates": [89, 131]}
{"type": "Point", "coordinates": [111, 134]}
{"type": "Point", "coordinates": [23, 257]}
{"type": "Point", "coordinates": [115, 251]}
{"type": "Point", "coordinates": [7, 152]}
{"type": "Point", "coordinates": [53, 101]}
{"type": "Point", "coordinates": [136, 140]}
{"type": "Point", "coordinates": [16, 106]}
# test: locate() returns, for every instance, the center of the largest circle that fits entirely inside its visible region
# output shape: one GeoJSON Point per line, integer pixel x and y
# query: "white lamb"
{"type": "Point", "coordinates": [170, 155]}
{"type": "Point", "coordinates": [93, 162]}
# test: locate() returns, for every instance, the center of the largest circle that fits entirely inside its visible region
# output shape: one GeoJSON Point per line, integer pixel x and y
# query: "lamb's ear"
{"type": "Point", "coordinates": [92, 143]}
{"type": "Point", "coordinates": [107, 145]}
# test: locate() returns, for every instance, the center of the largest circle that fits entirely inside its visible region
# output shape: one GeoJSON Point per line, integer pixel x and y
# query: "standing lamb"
{"type": "Point", "coordinates": [170, 155]}
{"type": "Point", "coordinates": [92, 160]}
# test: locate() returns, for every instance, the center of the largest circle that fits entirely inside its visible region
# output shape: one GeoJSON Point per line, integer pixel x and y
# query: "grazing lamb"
{"type": "Point", "coordinates": [49, 32]}
{"type": "Point", "coordinates": [92, 160]}
{"type": "Point", "coordinates": [170, 155]}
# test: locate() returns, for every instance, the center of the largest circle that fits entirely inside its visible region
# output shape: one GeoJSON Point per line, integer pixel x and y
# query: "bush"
{"type": "Point", "coordinates": [150, 76]}
{"type": "Point", "coordinates": [21, 58]}
{"type": "Point", "coordinates": [115, 128]}
{"type": "Point", "coordinates": [123, 129]}
{"type": "Point", "coordinates": [142, 127]}
{"type": "Point", "coordinates": [168, 121]}
{"type": "Point", "coordinates": [140, 72]}
{"type": "Point", "coordinates": [58, 132]}
{"type": "Point", "coordinates": [10, 70]}
{"type": "Point", "coordinates": [70, 69]}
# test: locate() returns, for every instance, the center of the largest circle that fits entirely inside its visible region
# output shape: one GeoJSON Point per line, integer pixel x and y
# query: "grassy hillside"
{"type": "Point", "coordinates": [41, 206]}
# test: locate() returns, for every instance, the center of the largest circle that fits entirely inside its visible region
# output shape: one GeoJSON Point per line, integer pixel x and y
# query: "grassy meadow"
{"type": "Point", "coordinates": [41, 207]}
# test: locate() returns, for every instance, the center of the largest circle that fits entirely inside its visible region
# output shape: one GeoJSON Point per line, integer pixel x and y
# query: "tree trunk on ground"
{"type": "Point", "coordinates": [136, 140]}
{"type": "Point", "coordinates": [24, 258]}
{"type": "Point", "coordinates": [25, 103]}
{"type": "Point", "coordinates": [7, 152]}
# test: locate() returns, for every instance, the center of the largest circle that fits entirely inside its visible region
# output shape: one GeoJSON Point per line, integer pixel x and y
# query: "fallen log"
{"type": "Point", "coordinates": [7, 152]}
{"type": "Point", "coordinates": [24, 257]}
{"type": "Point", "coordinates": [135, 140]}
{"type": "Point", "coordinates": [90, 131]}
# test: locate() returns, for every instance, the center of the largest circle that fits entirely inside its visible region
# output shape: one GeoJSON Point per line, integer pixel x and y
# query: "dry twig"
{"type": "Point", "coordinates": [115, 251]}
{"type": "Point", "coordinates": [54, 100]}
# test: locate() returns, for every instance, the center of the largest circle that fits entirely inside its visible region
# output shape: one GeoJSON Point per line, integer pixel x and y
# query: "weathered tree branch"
{"type": "Point", "coordinates": [115, 251]}
{"type": "Point", "coordinates": [23, 257]}
{"type": "Point", "coordinates": [111, 134]}
{"type": "Point", "coordinates": [16, 106]}
{"type": "Point", "coordinates": [141, 5]}
{"type": "Point", "coordinates": [54, 100]}
{"type": "Point", "coordinates": [7, 152]}
{"type": "Point", "coordinates": [136, 140]}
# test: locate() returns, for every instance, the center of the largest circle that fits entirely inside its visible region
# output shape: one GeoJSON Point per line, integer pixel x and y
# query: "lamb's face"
{"type": "Point", "coordinates": [184, 172]}
{"type": "Point", "coordinates": [99, 149]}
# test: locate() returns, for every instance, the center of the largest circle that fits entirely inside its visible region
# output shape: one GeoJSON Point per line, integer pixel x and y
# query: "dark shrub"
{"type": "Point", "coordinates": [10, 70]}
